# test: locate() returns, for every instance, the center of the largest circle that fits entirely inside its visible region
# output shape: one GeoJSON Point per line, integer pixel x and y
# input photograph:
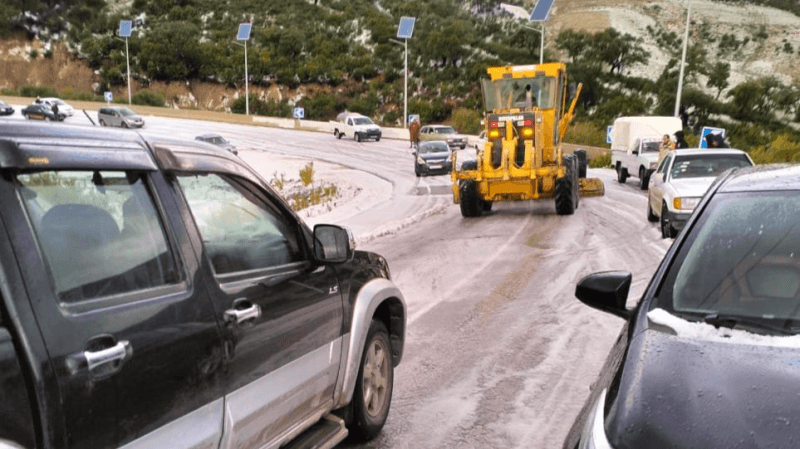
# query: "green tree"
{"type": "Point", "coordinates": [718, 77]}
{"type": "Point", "coordinates": [172, 51]}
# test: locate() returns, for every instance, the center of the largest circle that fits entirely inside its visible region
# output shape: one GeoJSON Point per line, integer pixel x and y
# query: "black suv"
{"type": "Point", "coordinates": [158, 293]}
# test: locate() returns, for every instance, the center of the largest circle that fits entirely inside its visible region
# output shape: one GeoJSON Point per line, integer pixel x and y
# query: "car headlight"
{"type": "Point", "coordinates": [685, 203]}
{"type": "Point", "coordinates": [594, 432]}
{"type": "Point", "coordinates": [449, 139]}
{"type": "Point", "coordinates": [420, 160]}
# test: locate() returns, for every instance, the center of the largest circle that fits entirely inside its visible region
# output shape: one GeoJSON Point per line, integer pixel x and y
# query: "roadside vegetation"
{"type": "Point", "coordinates": [344, 57]}
{"type": "Point", "coordinates": [303, 193]}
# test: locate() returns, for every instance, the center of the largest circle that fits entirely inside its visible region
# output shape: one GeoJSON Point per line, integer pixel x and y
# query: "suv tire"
{"type": "Point", "coordinates": [651, 217]}
{"type": "Point", "coordinates": [358, 137]}
{"type": "Point", "coordinates": [622, 174]}
{"type": "Point", "coordinates": [643, 178]}
{"type": "Point", "coordinates": [374, 384]}
{"type": "Point", "coordinates": [565, 188]}
{"type": "Point", "coordinates": [667, 231]}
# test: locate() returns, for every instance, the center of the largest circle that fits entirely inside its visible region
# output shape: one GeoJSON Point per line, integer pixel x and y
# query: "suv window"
{"type": "Point", "coordinates": [99, 232]}
{"type": "Point", "coordinates": [241, 230]}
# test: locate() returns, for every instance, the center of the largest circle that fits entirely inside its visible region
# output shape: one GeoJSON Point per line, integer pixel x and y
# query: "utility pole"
{"type": "Point", "coordinates": [683, 60]}
{"type": "Point", "coordinates": [404, 31]}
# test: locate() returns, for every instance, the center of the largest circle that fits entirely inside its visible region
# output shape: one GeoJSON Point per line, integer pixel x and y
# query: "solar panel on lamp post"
{"type": "Point", "coordinates": [539, 14]}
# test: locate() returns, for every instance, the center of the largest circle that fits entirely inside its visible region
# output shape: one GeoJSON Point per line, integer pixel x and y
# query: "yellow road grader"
{"type": "Point", "coordinates": [525, 119]}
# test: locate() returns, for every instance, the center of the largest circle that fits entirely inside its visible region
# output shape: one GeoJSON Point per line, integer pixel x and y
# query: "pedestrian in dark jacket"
{"type": "Point", "coordinates": [680, 142]}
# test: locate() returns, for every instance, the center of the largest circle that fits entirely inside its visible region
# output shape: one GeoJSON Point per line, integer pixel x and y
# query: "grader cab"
{"type": "Point", "coordinates": [526, 117]}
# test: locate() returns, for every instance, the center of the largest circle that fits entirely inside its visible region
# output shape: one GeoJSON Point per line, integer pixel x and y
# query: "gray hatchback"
{"type": "Point", "coordinates": [119, 116]}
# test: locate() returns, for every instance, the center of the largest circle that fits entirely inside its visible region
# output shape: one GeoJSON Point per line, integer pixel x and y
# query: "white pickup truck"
{"type": "Point", "coordinates": [356, 125]}
{"type": "Point", "coordinates": [635, 145]}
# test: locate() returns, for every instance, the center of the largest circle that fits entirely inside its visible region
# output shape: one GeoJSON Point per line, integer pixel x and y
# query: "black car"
{"type": "Point", "coordinates": [41, 112]}
{"type": "Point", "coordinates": [216, 139]}
{"type": "Point", "coordinates": [710, 357]}
{"type": "Point", "coordinates": [432, 157]}
{"type": "Point", "coordinates": [157, 293]}
{"type": "Point", "coordinates": [5, 108]}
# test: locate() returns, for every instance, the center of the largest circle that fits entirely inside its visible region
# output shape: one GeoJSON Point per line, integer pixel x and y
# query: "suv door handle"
{"type": "Point", "coordinates": [240, 316]}
{"type": "Point", "coordinates": [116, 353]}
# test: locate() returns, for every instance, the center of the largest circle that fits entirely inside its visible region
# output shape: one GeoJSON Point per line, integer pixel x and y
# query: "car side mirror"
{"type": "Point", "coordinates": [606, 291]}
{"type": "Point", "coordinates": [333, 244]}
{"type": "Point", "coordinates": [413, 153]}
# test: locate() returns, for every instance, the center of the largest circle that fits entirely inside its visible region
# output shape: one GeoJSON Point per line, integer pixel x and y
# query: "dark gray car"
{"type": "Point", "coordinates": [216, 139]}
{"type": "Point", "coordinates": [119, 116]}
{"type": "Point", "coordinates": [710, 356]}
{"type": "Point", "coordinates": [432, 157]}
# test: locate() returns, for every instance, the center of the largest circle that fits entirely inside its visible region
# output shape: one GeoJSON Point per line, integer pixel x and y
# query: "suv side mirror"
{"type": "Point", "coordinates": [333, 244]}
{"type": "Point", "coordinates": [606, 291]}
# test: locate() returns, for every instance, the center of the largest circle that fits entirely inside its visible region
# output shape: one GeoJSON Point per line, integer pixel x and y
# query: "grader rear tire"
{"type": "Point", "coordinates": [565, 188]}
{"type": "Point", "coordinates": [470, 203]}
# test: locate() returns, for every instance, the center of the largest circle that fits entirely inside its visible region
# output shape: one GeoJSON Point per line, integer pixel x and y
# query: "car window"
{"type": "Point", "coordinates": [444, 130]}
{"type": "Point", "coordinates": [700, 166]}
{"type": "Point", "coordinates": [125, 112]}
{"type": "Point", "coordinates": [349, 121]}
{"type": "Point", "coordinates": [651, 146]}
{"type": "Point", "coordinates": [436, 147]}
{"type": "Point", "coordinates": [742, 258]}
{"type": "Point", "coordinates": [99, 232]}
{"type": "Point", "coordinates": [240, 230]}
{"type": "Point", "coordinates": [664, 164]}
{"type": "Point", "coordinates": [362, 121]}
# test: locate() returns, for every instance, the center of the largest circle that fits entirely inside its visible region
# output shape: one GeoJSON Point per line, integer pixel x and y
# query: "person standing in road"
{"type": "Point", "coordinates": [666, 146]}
{"type": "Point", "coordinates": [55, 110]}
{"type": "Point", "coordinates": [680, 142]}
{"type": "Point", "coordinates": [413, 133]}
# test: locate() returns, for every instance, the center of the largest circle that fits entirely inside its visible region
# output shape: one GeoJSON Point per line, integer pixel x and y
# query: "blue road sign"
{"type": "Point", "coordinates": [244, 32]}
{"type": "Point", "coordinates": [609, 134]}
{"type": "Point", "coordinates": [541, 10]}
{"type": "Point", "coordinates": [406, 27]}
{"type": "Point", "coordinates": [124, 28]}
{"type": "Point", "coordinates": [299, 113]}
{"type": "Point", "coordinates": [709, 130]}
{"type": "Point", "coordinates": [108, 96]}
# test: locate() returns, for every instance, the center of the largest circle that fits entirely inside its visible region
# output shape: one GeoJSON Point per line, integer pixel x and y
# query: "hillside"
{"type": "Point", "coordinates": [327, 55]}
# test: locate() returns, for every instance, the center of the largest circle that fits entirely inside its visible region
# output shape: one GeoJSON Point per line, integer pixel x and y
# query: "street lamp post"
{"type": "Point", "coordinates": [125, 27]}
{"type": "Point", "coordinates": [404, 31]}
{"type": "Point", "coordinates": [244, 35]}
{"type": "Point", "coordinates": [539, 15]}
{"type": "Point", "coordinates": [683, 60]}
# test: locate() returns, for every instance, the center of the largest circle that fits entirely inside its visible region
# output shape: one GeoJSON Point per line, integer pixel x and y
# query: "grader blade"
{"type": "Point", "coordinates": [591, 187]}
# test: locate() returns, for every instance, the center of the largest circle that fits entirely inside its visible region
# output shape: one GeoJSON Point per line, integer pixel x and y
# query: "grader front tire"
{"type": "Point", "coordinates": [566, 189]}
{"type": "Point", "coordinates": [470, 203]}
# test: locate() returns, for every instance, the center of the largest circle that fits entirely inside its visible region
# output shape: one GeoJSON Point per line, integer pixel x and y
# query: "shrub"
{"type": "Point", "coordinates": [467, 121]}
{"type": "Point", "coordinates": [390, 118]}
{"type": "Point", "coordinates": [600, 161]}
{"type": "Point", "coordinates": [307, 174]}
{"type": "Point", "coordinates": [148, 98]}
{"type": "Point", "coordinates": [78, 95]}
{"type": "Point", "coordinates": [365, 104]}
{"type": "Point", "coordinates": [585, 133]}
{"type": "Point", "coordinates": [429, 111]}
{"type": "Point", "coordinates": [268, 108]}
{"type": "Point", "coordinates": [9, 91]}
{"type": "Point", "coordinates": [37, 91]}
{"type": "Point", "coordinates": [33, 54]}
{"type": "Point", "coordinates": [321, 106]}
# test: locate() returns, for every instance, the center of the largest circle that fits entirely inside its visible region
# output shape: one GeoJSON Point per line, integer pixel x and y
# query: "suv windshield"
{"type": "Point", "coordinates": [508, 93]}
{"type": "Point", "coordinates": [651, 145]}
{"type": "Point", "coordinates": [706, 165]}
{"type": "Point", "coordinates": [742, 259]}
{"type": "Point", "coordinates": [362, 121]}
{"type": "Point", "coordinates": [125, 112]}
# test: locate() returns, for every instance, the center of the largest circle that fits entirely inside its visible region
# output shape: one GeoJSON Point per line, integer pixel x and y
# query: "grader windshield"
{"type": "Point", "coordinates": [519, 93]}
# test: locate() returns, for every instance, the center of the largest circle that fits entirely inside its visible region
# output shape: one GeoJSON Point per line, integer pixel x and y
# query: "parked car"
{"type": "Point", "coordinates": [157, 293]}
{"type": "Point", "coordinates": [356, 125]}
{"type": "Point", "coordinates": [709, 356]}
{"type": "Point", "coordinates": [63, 107]}
{"type": "Point", "coordinates": [681, 181]}
{"type": "Point", "coordinates": [5, 108]}
{"type": "Point", "coordinates": [432, 157]}
{"type": "Point", "coordinates": [40, 111]}
{"type": "Point", "coordinates": [444, 133]}
{"type": "Point", "coordinates": [479, 142]}
{"type": "Point", "coordinates": [119, 116]}
{"type": "Point", "coordinates": [216, 139]}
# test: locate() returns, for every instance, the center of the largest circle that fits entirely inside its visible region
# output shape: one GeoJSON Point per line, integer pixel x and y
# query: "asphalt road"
{"type": "Point", "coordinates": [499, 353]}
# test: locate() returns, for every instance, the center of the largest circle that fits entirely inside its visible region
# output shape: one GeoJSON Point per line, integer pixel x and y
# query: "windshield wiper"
{"type": "Point", "coordinates": [731, 321]}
